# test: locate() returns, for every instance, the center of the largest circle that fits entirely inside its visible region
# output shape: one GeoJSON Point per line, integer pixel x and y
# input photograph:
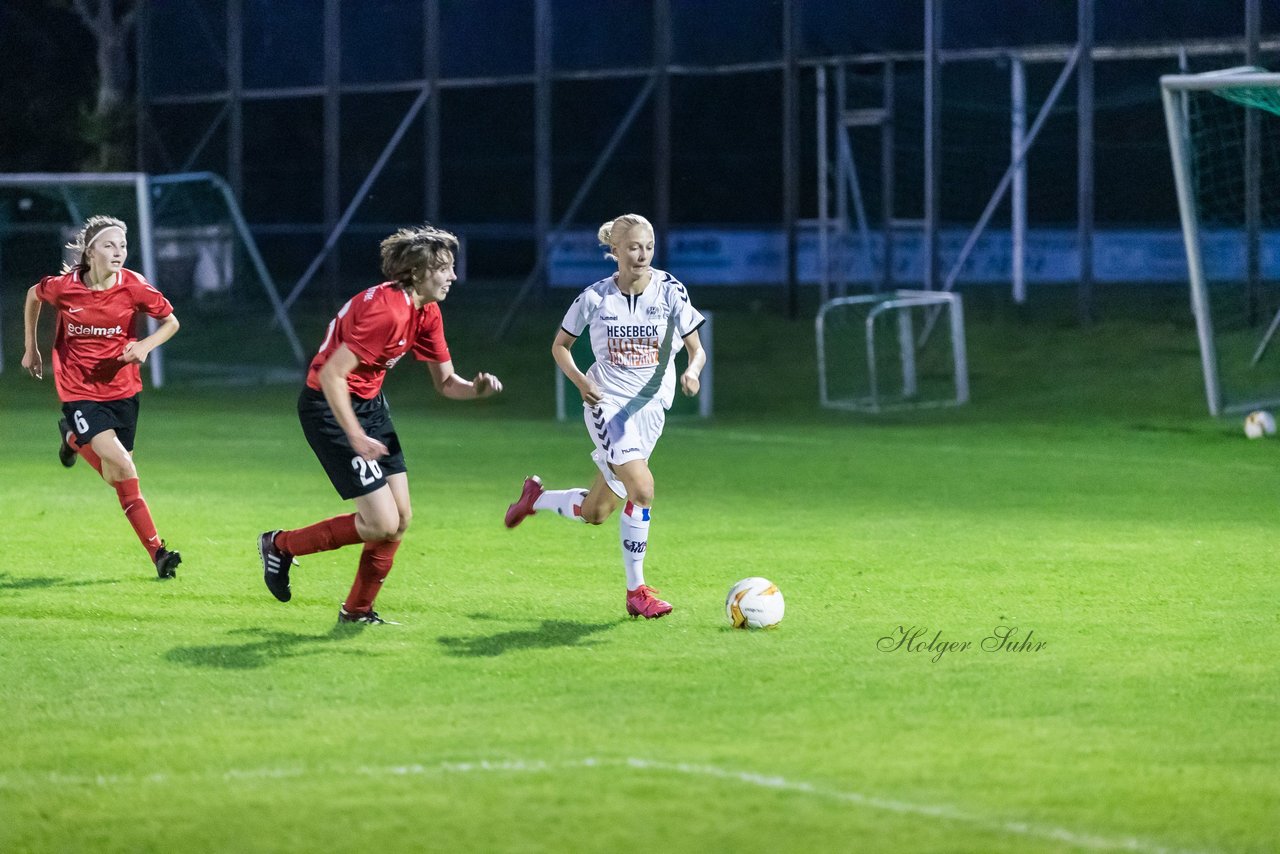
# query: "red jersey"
{"type": "Point", "coordinates": [379, 326]}
{"type": "Point", "coordinates": [93, 329]}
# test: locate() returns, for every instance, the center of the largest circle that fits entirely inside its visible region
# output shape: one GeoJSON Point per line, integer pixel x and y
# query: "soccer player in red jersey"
{"type": "Point", "coordinates": [346, 420]}
{"type": "Point", "coordinates": [96, 354]}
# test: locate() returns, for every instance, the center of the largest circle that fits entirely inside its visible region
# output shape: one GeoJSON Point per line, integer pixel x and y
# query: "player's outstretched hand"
{"type": "Point", "coordinates": [33, 363]}
{"type": "Point", "coordinates": [689, 384]}
{"type": "Point", "coordinates": [487, 385]}
{"type": "Point", "coordinates": [367, 448]}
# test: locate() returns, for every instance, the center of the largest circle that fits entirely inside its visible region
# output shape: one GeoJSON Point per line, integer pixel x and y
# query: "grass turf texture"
{"type": "Point", "coordinates": [1083, 496]}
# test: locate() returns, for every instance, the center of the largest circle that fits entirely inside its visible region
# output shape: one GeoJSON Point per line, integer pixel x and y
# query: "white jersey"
{"type": "Point", "coordinates": [635, 338]}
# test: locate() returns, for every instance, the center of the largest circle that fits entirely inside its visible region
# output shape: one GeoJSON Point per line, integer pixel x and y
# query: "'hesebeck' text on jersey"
{"type": "Point", "coordinates": [635, 337]}
{"type": "Point", "coordinates": [379, 325]}
{"type": "Point", "coordinates": [93, 329]}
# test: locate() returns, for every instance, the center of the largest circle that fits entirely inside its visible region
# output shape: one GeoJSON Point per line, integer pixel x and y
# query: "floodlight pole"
{"type": "Point", "coordinates": [235, 97]}
{"type": "Point", "coordinates": [543, 62]}
{"type": "Point", "coordinates": [1018, 197]}
{"type": "Point", "coordinates": [1084, 154]}
{"type": "Point", "coordinates": [932, 137]}
{"type": "Point", "coordinates": [662, 40]}
{"type": "Point", "coordinates": [331, 103]}
{"type": "Point", "coordinates": [790, 152]}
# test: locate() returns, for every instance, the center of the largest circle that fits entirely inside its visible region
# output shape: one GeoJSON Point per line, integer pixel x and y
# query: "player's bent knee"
{"type": "Point", "coordinates": [641, 495]}
{"type": "Point", "coordinates": [116, 471]}
{"type": "Point", "coordinates": [378, 528]}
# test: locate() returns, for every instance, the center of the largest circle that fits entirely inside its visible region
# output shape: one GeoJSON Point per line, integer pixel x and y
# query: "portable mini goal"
{"type": "Point", "coordinates": [931, 370]}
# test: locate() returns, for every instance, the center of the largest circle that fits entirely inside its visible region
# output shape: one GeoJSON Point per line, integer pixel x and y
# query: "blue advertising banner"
{"type": "Point", "coordinates": [707, 256]}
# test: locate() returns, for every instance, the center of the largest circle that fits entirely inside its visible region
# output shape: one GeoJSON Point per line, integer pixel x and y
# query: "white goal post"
{"type": "Point", "coordinates": [1224, 138]}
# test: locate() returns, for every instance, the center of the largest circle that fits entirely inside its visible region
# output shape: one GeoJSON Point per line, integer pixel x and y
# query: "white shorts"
{"type": "Point", "coordinates": [621, 436]}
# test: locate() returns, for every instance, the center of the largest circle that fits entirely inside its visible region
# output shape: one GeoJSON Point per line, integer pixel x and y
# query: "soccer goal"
{"type": "Point", "coordinates": [874, 353]}
{"type": "Point", "coordinates": [189, 238]}
{"type": "Point", "coordinates": [1224, 135]}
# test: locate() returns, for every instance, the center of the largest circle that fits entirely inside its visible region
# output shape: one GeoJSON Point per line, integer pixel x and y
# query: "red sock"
{"type": "Point", "coordinates": [375, 564]}
{"type": "Point", "coordinates": [90, 455]}
{"type": "Point", "coordinates": [139, 515]}
{"type": "Point", "coordinates": [321, 537]}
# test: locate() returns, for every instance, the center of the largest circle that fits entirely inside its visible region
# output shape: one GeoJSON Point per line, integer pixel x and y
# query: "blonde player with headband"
{"type": "Point", "coordinates": [638, 318]}
{"type": "Point", "coordinates": [96, 358]}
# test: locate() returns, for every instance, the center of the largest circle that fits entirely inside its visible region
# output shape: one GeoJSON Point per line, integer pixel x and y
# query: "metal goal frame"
{"type": "Point", "coordinates": [901, 302]}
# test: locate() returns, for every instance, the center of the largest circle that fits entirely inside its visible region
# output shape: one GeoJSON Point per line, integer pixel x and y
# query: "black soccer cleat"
{"type": "Point", "coordinates": [167, 562]}
{"type": "Point", "coordinates": [66, 455]}
{"type": "Point", "coordinates": [275, 566]}
{"type": "Point", "coordinates": [368, 618]}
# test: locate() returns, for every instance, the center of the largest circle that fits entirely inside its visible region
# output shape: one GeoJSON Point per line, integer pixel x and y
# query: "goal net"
{"type": "Point", "coordinates": [188, 237]}
{"type": "Point", "coordinates": [896, 350]}
{"type": "Point", "coordinates": [1224, 135]}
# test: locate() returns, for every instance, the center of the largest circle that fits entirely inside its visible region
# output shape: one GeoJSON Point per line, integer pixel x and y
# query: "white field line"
{"type": "Point", "coordinates": [940, 812]}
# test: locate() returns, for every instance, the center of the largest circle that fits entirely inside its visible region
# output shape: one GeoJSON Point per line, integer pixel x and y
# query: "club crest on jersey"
{"type": "Point", "coordinates": [99, 331]}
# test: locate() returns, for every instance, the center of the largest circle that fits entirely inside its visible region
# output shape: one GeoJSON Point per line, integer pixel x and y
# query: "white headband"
{"type": "Point", "coordinates": [100, 233]}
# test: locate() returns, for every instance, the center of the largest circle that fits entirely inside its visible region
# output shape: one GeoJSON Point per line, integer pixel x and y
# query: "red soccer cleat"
{"type": "Point", "coordinates": [517, 512]}
{"type": "Point", "coordinates": [642, 602]}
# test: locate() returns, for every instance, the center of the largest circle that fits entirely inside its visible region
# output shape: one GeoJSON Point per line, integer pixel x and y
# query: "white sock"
{"type": "Point", "coordinates": [633, 526]}
{"type": "Point", "coordinates": [566, 502]}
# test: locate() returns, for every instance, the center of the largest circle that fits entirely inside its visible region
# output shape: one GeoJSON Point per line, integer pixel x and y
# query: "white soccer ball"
{"type": "Point", "coordinates": [754, 603]}
{"type": "Point", "coordinates": [1258, 424]}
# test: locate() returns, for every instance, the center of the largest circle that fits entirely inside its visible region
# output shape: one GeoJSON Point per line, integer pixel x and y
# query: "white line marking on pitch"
{"type": "Point", "coordinates": [764, 781]}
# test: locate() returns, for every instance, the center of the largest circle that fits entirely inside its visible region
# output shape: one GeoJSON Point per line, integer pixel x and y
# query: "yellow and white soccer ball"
{"type": "Point", "coordinates": [754, 603]}
{"type": "Point", "coordinates": [1259, 423]}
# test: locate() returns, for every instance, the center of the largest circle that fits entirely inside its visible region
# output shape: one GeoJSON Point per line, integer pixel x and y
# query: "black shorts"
{"type": "Point", "coordinates": [88, 418]}
{"type": "Point", "coordinates": [350, 474]}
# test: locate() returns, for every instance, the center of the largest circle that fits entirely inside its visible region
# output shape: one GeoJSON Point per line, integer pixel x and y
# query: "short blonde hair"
{"type": "Point", "coordinates": [619, 226]}
{"type": "Point", "coordinates": [93, 226]}
{"type": "Point", "coordinates": [412, 249]}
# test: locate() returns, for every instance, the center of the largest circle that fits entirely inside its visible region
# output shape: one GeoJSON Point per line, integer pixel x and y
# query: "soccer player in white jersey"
{"type": "Point", "coordinates": [638, 318]}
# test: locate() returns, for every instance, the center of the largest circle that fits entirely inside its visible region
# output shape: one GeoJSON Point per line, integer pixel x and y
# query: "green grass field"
{"type": "Point", "coordinates": [1083, 496]}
